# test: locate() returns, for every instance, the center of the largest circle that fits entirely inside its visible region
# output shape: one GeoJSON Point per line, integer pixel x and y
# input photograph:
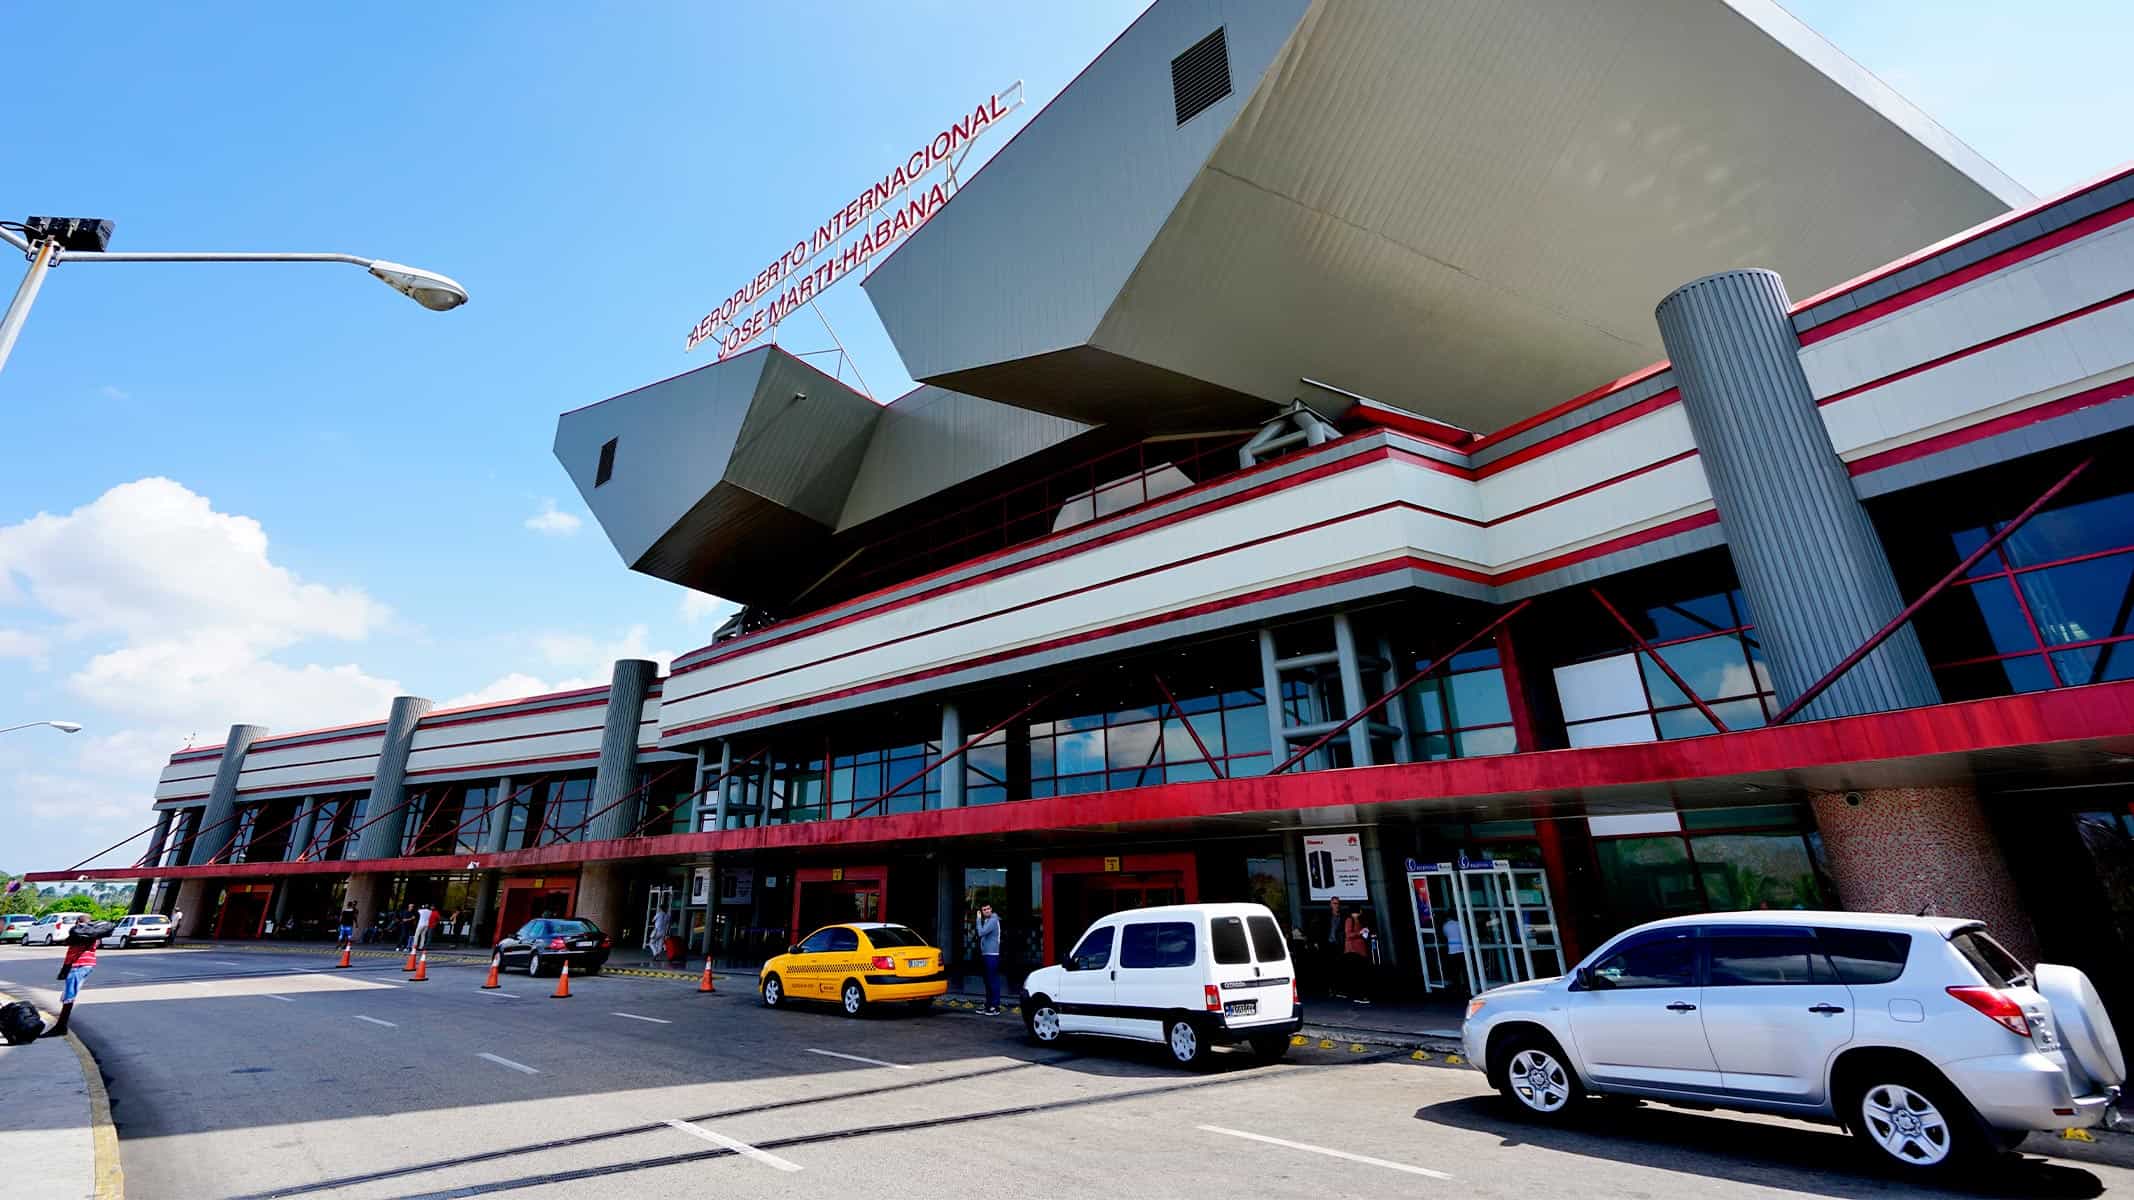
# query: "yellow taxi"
{"type": "Point", "coordinates": [854, 966]}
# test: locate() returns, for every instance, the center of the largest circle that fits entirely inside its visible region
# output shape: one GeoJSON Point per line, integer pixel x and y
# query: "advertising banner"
{"type": "Point", "coordinates": [1333, 867]}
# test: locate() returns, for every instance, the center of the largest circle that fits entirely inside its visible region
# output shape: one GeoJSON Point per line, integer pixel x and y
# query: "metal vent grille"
{"type": "Point", "coordinates": [1201, 76]}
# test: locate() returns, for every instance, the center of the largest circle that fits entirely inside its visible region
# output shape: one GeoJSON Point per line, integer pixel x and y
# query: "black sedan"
{"type": "Point", "coordinates": [544, 944]}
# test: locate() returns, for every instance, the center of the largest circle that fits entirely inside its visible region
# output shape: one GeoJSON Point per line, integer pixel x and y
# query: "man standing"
{"type": "Point", "coordinates": [988, 930]}
{"type": "Point", "coordinates": [656, 939]}
{"type": "Point", "coordinates": [348, 924]}
{"type": "Point", "coordinates": [73, 970]}
{"type": "Point", "coordinates": [1336, 943]}
{"type": "Point", "coordinates": [423, 917]}
{"type": "Point", "coordinates": [1455, 957]}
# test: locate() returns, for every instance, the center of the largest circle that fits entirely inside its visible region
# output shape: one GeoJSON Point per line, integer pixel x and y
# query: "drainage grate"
{"type": "Point", "coordinates": [1201, 76]}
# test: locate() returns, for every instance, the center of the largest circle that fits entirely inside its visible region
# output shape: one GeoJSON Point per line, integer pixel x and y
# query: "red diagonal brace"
{"type": "Point", "coordinates": [1194, 733]}
{"type": "Point", "coordinates": [1910, 610]}
{"type": "Point", "coordinates": [1429, 668]}
{"type": "Point", "coordinates": [958, 752]}
{"type": "Point", "coordinates": [1645, 647]}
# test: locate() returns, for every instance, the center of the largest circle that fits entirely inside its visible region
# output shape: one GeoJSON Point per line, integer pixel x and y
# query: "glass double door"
{"type": "Point", "coordinates": [1480, 926]}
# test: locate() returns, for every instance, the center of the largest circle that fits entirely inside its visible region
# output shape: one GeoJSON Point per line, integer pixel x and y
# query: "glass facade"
{"type": "Point", "coordinates": [1463, 712]}
{"type": "Point", "coordinates": [1720, 860]}
{"type": "Point", "coordinates": [1626, 696]}
{"type": "Point", "coordinates": [1150, 744]}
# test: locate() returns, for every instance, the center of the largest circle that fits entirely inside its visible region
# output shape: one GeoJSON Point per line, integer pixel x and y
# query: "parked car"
{"type": "Point", "coordinates": [1184, 976]}
{"type": "Point", "coordinates": [1921, 1035]}
{"type": "Point", "coordinates": [857, 966]}
{"type": "Point", "coordinates": [15, 926]}
{"type": "Point", "coordinates": [51, 928]}
{"type": "Point", "coordinates": [140, 929]}
{"type": "Point", "coordinates": [544, 944]}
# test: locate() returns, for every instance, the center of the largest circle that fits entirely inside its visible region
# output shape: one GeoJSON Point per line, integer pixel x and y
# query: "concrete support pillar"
{"type": "Point", "coordinates": [1387, 920]}
{"type": "Point", "coordinates": [601, 891]}
{"type": "Point", "coordinates": [484, 901]}
{"type": "Point", "coordinates": [280, 915]}
{"type": "Point", "coordinates": [726, 783]}
{"type": "Point", "coordinates": [617, 777]}
{"type": "Point", "coordinates": [139, 903]}
{"type": "Point", "coordinates": [1807, 556]}
{"type": "Point", "coordinates": [389, 781]}
{"type": "Point", "coordinates": [300, 835]}
{"type": "Point", "coordinates": [1907, 850]}
{"type": "Point", "coordinates": [1352, 701]}
{"type": "Point", "coordinates": [367, 893]}
{"type": "Point", "coordinates": [159, 840]}
{"type": "Point", "coordinates": [216, 823]}
{"type": "Point", "coordinates": [699, 801]}
{"type": "Point", "coordinates": [500, 818]}
{"type": "Point", "coordinates": [1271, 682]}
{"type": "Point", "coordinates": [190, 908]}
{"type": "Point", "coordinates": [953, 777]}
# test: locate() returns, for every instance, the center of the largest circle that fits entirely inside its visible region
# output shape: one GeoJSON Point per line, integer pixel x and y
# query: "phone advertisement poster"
{"type": "Point", "coordinates": [1333, 867]}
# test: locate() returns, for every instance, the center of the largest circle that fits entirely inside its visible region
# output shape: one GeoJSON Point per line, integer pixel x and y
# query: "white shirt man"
{"type": "Point", "coordinates": [423, 917]}
{"type": "Point", "coordinates": [1455, 954]}
{"type": "Point", "coordinates": [660, 924]}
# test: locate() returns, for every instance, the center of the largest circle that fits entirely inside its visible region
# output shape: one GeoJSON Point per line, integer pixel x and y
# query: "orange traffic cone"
{"type": "Point", "coordinates": [563, 983]}
{"type": "Point", "coordinates": [705, 984]}
{"type": "Point", "coordinates": [345, 953]}
{"type": "Point", "coordinates": [495, 961]}
{"type": "Point", "coordinates": [422, 969]}
{"type": "Point", "coordinates": [411, 962]}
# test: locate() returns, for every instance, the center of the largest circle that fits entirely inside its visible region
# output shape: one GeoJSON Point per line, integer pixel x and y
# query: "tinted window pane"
{"type": "Point", "coordinates": [843, 941]}
{"type": "Point", "coordinates": [1094, 954]}
{"type": "Point", "coordinates": [1864, 955]}
{"type": "Point", "coordinates": [1757, 870]}
{"type": "Point", "coordinates": [1226, 937]}
{"type": "Point", "coordinates": [1475, 743]}
{"type": "Point", "coordinates": [1267, 942]}
{"type": "Point", "coordinates": [894, 935]}
{"type": "Point", "coordinates": [1752, 961]}
{"type": "Point", "coordinates": [1478, 698]}
{"type": "Point", "coordinates": [2074, 529]}
{"type": "Point", "coordinates": [1688, 618]}
{"type": "Point", "coordinates": [571, 926]}
{"type": "Point", "coordinates": [1668, 961]}
{"type": "Point", "coordinates": [1156, 944]}
{"type": "Point", "coordinates": [1647, 878]}
{"type": "Point", "coordinates": [2096, 664]}
{"type": "Point", "coordinates": [2083, 601]}
{"type": "Point", "coordinates": [816, 943]}
{"type": "Point", "coordinates": [1995, 965]}
{"type": "Point", "coordinates": [1716, 668]}
{"type": "Point", "coordinates": [2008, 676]}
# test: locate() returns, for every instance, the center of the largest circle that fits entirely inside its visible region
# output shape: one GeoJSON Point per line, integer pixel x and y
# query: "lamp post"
{"type": "Point", "coordinates": [50, 241]}
{"type": "Point", "coordinates": [62, 726]}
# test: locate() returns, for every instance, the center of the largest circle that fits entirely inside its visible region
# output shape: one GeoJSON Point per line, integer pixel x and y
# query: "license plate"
{"type": "Point", "coordinates": [1241, 1008]}
{"type": "Point", "coordinates": [916, 963]}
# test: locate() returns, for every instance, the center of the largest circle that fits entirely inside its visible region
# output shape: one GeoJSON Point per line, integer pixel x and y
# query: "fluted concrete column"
{"type": "Point", "coordinates": [500, 818]}
{"type": "Point", "coordinates": [726, 783]}
{"type": "Point", "coordinates": [953, 776]}
{"type": "Point", "coordinates": [1807, 556]}
{"type": "Point", "coordinates": [389, 781]}
{"type": "Point", "coordinates": [617, 776]}
{"type": "Point", "coordinates": [216, 826]}
{"type": "Point", "coordinates": [306, 824]}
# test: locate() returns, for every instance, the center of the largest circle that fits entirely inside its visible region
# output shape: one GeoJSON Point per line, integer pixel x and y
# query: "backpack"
{"type": "Point", "coordinates": [20, 1023]}
{"type": "Point", "coordinates": [88, 933]}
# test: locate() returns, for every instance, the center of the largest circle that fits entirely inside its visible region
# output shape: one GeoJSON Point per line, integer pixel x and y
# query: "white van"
{"type": "Point", "coordinates": [1186, 976]}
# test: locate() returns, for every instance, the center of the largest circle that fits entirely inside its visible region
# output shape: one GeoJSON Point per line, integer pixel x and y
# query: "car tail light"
{"type": "Point", "coordinates": [1996, 1004]}
{"type": "Point", "coordinates": [883, 962]}
{"type": "Point", "coordinates": [1214, 998]}
{"type": "Point", "coordinates": [556, 943]}
{"type": "Point", "coordinates": [1293, 1000]}
{"type": "Point", "coordinates": [603, 941]}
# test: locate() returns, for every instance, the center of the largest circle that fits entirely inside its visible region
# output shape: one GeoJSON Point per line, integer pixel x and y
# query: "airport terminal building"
{"type": "Point", "coordinates": [1541, 468]}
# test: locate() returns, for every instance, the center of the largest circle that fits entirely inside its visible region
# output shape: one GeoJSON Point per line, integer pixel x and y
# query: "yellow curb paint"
{"type": "Point", "coordinates": [1454, 1059]}
{"type": "Point", "coordinates": [1298, 1039]}
{"type": "Point", "coordinates": [1326, 1043]}
{"type": "Point", "coordinates": [1419, 1056]}
{"type": "Point", "coordinates": [110, 1181]}
{"type": "Point", "coordinates": [2076, 1135]}
{"type": "Point", "coordinates": [1355, 1047]}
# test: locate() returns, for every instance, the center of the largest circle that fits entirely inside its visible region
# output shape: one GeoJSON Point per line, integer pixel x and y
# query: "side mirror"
{"type": "Point", "coordinates": [1582, 979]}
{"type": "Point", "coordinates": [793, 949]}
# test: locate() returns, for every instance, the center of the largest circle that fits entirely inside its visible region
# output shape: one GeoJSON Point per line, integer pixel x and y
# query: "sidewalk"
{"type": "Point", "coordinates": [53, 1151]}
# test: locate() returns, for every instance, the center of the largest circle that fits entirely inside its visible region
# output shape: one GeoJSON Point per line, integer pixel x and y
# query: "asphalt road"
{"type": "Point", "coordinates": [256, 1074]}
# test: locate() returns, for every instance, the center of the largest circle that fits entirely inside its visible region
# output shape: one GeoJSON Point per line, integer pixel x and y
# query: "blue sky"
{"type": "Point", "coordinates": [283, 494]}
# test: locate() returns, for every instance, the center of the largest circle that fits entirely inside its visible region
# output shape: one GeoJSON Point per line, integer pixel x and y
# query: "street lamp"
{"type": "Point", "coordinates": [49, 241]}
{"type": "Point", "coordinates": [62, 726]}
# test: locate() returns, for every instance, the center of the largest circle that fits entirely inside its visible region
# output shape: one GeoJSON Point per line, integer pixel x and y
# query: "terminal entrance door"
{"type": "Point", "coordinates": [1084, 898]}
{"type": "Point", "coordinates": [837, 896]}
{"type": "Point", "coordinates": [660, 898]}
{"type": "Point", "coordinates": [1507, 924]}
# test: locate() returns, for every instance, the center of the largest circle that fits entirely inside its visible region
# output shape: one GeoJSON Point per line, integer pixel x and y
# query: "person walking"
{"type": "Point", "coordinates": [424, 916]}
{"type": "Point", "coordinates": [987, 927]}
{"type": "Point", "coordinates": [407, 929]}
{"type": "Point", "coordinates": [1335, 941]}
{"type": "Point", "coordinates": [656, 937]}
{"type": "Point", "coordinates": [348, 924]}
{"type": "Point", "coordinates": [1356, 957]}
{"type": "Point", "coordinates": [1455, 957]}
{"type": "Point", "coordinates": [73, 971]}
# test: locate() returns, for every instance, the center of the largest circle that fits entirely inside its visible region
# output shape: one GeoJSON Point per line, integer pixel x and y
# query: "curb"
{"type": "Point", "coordinates": [109, 1180]}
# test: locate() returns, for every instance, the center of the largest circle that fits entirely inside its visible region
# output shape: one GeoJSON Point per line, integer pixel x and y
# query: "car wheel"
{"type": "Point", "coordinates": [1188, 1048]}
{"type": "Point", "coordinates": [853, 998]}
{"type": "Point", "coordinates": [533, 966]}
{"type": "Point", "coordinates": [1042, 1020]}
{"type": "Point", "coordinates": [773, 991]}
{"type": "Point", "coordinates": [1270, 1046]}
{"type": "Point", "coordinates": [1913, 1122]}
{"type": "Point", "coordinates": [1536, 1079]}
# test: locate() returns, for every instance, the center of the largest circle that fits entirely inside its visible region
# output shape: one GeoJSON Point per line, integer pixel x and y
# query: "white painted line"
{"type": "Point", "coordinates": [872, 1062]}
{"type": "Point", "coordinates": [635, 1017]}
{"type": "Point", "coordinates": [376, 1021]}
{"type": "Point", "coordinates": [227, 962]}
{"type": "Point", "coordinates": [198, 983]}
{"type": "Point", "coordinates": [135, 974]}
{"type": "Point", "coordinates": [1361, 1158]}
{"type": "Point", "coordinates": [743, 1149]}
{"type": "Point", "coordinates": [272, 996]}
{"type": "Point", "coordinates": [505, 995]}
{"type": "Point", "coordinates": [505, 1062]}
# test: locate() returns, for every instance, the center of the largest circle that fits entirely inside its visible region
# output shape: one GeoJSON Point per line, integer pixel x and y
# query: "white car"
{"type": "Point", "coordinates": [140, 930]}
{"type": "Point", "coordinates": [1184, 976]}
{"type": "Point", "coordinates": [51, 928]}
{"type": "Point", "coordinates": [1920, 1034]}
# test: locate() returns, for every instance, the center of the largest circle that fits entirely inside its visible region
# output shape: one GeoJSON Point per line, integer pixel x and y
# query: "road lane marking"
{"type": "Point", "coordinates": [198, 983]}
{"type": "Point", "coordinates": [1361, 1158]}
{"type": "Point", "coordinates": [272, 996]}
{"type": "Point", "coordinates": [505, 995]}
{"type": "Point", "coordinates": [873, 1062]}
{"type": "Point", "coordinates": [376, 1021]}
{"type": "Point", "coordinates": [505, 1062]}
{"type": "Point", "coordinates": [136, 974]}
{"type": "Point", "coordinates": [635, 1017]}
{"type": "Point", "coordinates": [226, 962]}
{"type": "Point", "coordinates": [741, 1148]}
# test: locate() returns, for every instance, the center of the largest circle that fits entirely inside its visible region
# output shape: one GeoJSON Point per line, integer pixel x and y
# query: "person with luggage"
{"type": "Point", "coordinates": [74, 969]}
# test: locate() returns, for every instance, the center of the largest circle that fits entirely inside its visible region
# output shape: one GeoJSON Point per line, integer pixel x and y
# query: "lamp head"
{"type": "Point", "coordinates": [435, 292]}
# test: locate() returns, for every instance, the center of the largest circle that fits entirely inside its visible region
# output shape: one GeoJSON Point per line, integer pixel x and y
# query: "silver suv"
{"type": "Point", "coordinates": [1920, 1034]}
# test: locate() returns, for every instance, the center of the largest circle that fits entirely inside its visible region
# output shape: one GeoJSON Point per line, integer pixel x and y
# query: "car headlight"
{"type": "Point", "coordinates": [1474, 1006]}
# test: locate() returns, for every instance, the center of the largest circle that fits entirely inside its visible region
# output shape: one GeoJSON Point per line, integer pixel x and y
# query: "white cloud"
{"type": "Point", "coordinates": [109, 392]}
{"type": "Point", "coordinates": [517, 686]}
{"type": "Point", "coordinates": [552, 521]}
{"type": "Point", "coordinates": [696, 606]}
{"type": "Point", "coordinates": [14, 643]}
{"type": "Point", "coordinates": [582, 661]}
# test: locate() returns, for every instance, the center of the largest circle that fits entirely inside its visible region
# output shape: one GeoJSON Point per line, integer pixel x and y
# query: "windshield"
{"type": "Point", "coordinates": [570, 927]}
{"type": "Point", "coordinates": [894, 935]}
{"type": "Point", "coordinates": [1993, 963]}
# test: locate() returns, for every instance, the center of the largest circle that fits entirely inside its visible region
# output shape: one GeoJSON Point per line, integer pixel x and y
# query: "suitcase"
{"type": "Point", "coordinates": [20, 1024]}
